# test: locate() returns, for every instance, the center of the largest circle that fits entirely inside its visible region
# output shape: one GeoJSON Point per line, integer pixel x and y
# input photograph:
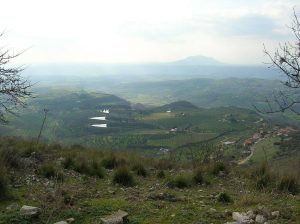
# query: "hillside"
{"type": "Point", "coordinates": [83, 185]}
{"type": "Point", "coordinates": [176, 106]}
{"type": "Point", "coordinates": [179, 126]}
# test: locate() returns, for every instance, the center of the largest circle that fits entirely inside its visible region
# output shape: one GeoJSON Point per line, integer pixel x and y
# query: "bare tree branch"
{"type": "Point", "coordinates": [285, 59]}
{"type": "Point", "coordinates": [14, 89]}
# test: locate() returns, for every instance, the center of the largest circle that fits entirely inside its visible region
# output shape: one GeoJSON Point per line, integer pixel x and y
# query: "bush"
{"type": "Point", "coordinates": [3, 182]}
{"type": "Point", "coordinates": [262, 176]}
{"type": "Point", "coordinates": [289, 184]}
{"type": "Point", "coordinates": [140, 170]}
{"type": "Point", "coordinates": [198, 177]}
{"type": "Point", "coordinates": [219, 167]}
{"type": "Point", "coordinates": [77, 147]}
{"type": "Point", "coordinates": [48, 171]}
{"type": "Point", "coordinates": [10, 157]}
{"type": "Point", "coordinates": [97, 169]}
{"type": "Point", "coordinates": [112, 162]}
{"type": "Point", "coordinates": [83, 167]}
{"type": "Point", "coordinates": [179, 182]}
{"type": "Point", "coordinates": [124, 177]}
{"type": "Point", "coordinates": [68, 163]}
{"type": "Point", "coordinates": [164, 164]}
{"type": "Point", "coordinates": [161, 174]}
{"type": "Point", "coordinates": [224, 198]}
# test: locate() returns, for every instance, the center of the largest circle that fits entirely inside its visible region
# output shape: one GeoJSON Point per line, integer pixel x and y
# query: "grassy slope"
{"type": "Point", "coordinates": [93, 198]}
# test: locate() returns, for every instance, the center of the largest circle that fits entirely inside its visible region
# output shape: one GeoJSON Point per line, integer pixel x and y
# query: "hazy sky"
{"type": "Point", "coordinates": [129, 31]}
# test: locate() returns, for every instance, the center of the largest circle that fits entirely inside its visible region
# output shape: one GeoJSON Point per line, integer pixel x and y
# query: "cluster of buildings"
{"type": "Point", "coordinates": [276, 131]}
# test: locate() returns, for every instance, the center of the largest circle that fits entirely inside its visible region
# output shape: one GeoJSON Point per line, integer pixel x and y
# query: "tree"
{"type": "Point", "coordinates": [13, 87]}
{"type": "Point", "coordinates": [286, 59]}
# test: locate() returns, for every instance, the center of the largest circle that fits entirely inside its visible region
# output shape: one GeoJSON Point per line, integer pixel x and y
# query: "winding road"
{"type": "Point", "coordinates": [252, 149]}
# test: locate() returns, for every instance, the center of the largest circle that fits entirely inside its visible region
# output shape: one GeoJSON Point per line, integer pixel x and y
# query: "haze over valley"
{"type": "Point", "coordinates": [139, 112]}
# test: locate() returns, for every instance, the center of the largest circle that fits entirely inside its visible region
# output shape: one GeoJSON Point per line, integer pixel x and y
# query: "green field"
{"type": "Point", "coordinates": [144, 130]}
{"type": "Point", "coordinates": [265, 150]}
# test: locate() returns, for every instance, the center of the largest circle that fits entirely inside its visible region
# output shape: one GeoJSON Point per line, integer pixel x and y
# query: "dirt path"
{"type": "Point", "coordinates": [252, 149]}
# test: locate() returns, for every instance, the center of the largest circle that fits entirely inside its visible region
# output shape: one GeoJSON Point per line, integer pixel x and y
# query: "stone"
{"type": "Point", "coordinates": [251, 214]}
{"type": "Point", "coordinates": [118, 217]}
{"type": "Point", "coordinates": [61, 222]}
{"type": "Point", "coordinates": [70, 220]}
{"type": "Point", "coordinates": [241, 218]}
{"type": "Point", "coordinates": [212, 210]}
{"type": "Point", "coordinates": [275, 214]}
{"type": "Point", "coordinates": [29, 211]}
{"type": "Point", "coordinates": [260, 219]}
{"type": "Point", "coordinates": [227, 212]}
{"type": "Point", "coordinates": [13, 206]}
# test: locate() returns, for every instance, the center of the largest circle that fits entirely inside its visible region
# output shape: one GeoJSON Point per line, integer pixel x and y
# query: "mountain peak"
{"type": "Point", "coordinates": [198, 60]}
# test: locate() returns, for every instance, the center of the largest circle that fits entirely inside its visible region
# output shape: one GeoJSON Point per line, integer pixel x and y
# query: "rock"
{"type": "Point", "coordinates": [29, 211]}
{"type": "Point", "coordinates": [231, 223]}
{"type": "Point", "coordinates": [275, 214]}
{"type": "Point", "coordinates": [260, 219]}
{"type": "Point", "coordinates": [13, 206]}
{"type": "Point", "coordinates": [241, 218]}
{"type": "Point", "coordinates": [118, 217]}
{"type": "Point", "coordinates": [70, 220]}
{"type": "Point", "coordinates": [112, 192]}
{"type": "Point", "coordinates": [61, 222]}
{"type": "Point", "coordinates": [212, 210]}
{"type": "Point", "coordinates": [227, 212]}
{"type": "Point", "coordinates": [251, 214]}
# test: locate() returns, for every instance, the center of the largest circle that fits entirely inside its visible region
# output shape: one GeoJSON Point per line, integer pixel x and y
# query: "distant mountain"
{"type": "Point", "coordinates": [198, 60]}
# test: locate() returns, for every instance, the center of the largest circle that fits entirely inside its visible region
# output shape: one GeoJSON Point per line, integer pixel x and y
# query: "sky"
{"type": "Point", "coordinates": [138, 31]}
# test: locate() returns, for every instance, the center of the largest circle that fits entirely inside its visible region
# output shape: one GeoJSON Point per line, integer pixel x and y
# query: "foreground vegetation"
{"type": "Point", "coordinates": [87, 184]}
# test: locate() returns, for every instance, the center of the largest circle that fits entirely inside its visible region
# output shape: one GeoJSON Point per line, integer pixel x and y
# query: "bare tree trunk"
{"type": "Point", "coordinates": [42, 127]}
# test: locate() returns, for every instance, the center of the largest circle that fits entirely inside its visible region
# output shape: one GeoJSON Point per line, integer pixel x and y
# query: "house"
{"type": "Point", "coordinates": [248, 142]}
{"type": "Point", "coordinates": [228, 143]}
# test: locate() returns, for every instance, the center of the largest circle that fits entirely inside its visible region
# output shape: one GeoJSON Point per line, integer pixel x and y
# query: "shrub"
{"type": "Point", "coordinates": [56, 146]}
{"type": "Point", "coordinates": [198, 177]}
{"type": "Point", "coordinates": [262, 182]}
{"type": "Point", "coordinates": [262, 176]}
{"type": "Point", "coordinates": [123, 176]}
{"type": "Point", "coordinates": [224, 198]}
{"type": "Point", "coordinates": [219, 167]}
{"type": "Point", "coordinates": [179, 182]}
{"type": "Point", "coordinates": [10, 157]}
{"type": "Point", "coordinates": [3, 182]}
{"type": "Point", "coordinates": [68, 163]}
{"type": "Point", "coordinates": [77, 147]}
{"type": "Point", "coordinates": [161, 174]}
{"type": "Point", "coordinates": [27, 152]}
{"type": "Point", "coordinates": [164, 164]}
{"type": "Point", "coordinates": [48, 171]}
{"type": "Point", "coordinates": [112, 162]}
{"type": "Point", "coordinates": [140, 170]}
{"type": "Point", "coordinates": [83, 167]}
{"type": "Point", "coordinates": [97, 169]}
{"type": "Point", "coordinates": [289, 184]}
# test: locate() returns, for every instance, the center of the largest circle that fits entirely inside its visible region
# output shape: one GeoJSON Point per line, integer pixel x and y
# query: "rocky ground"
{"type": "Point", "coordinates": [224, 197]}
